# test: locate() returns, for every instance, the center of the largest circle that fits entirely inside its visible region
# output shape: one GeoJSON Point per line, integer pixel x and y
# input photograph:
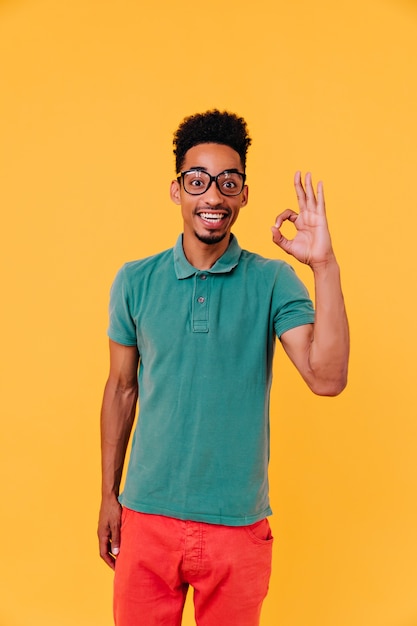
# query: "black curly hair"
{"type": "Point", "coordinates": [211, 127]}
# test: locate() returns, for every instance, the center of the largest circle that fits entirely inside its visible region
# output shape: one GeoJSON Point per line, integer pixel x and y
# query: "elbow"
{"type": "Point", "coordinates": [330, 387]}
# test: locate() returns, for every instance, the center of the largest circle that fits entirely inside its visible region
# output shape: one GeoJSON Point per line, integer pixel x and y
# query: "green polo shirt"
{"type": "Point", "coordinates": [206, 341]}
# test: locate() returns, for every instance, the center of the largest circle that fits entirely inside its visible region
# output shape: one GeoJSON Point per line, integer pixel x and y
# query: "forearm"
{"type": "Point", "coordinates": [117, 417]}
{"type": "Point", "coordinates": [329, 349]}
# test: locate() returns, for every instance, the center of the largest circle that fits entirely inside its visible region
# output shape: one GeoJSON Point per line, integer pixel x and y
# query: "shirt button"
{"type": "Point", "coordinates": [201, 299]}
{"type": "Point", "coordinates": [203, 276]}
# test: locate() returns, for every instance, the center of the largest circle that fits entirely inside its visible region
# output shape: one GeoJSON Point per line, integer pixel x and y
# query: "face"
{"type": "Point", "coordinates": [209, 216]}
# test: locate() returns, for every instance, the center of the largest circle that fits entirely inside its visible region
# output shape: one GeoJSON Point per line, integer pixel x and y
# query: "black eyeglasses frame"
{"type": "Point", "coordinates": [181, 175]}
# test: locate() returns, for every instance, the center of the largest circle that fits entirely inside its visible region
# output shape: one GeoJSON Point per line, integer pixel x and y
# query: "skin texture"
{"type": "Point", "coordinates": [214, 158]}
{"type": "Point", "coordinates": [320, 352]}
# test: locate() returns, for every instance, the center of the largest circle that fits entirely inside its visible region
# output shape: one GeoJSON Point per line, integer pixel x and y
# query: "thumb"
{"type": "Point", "coordinates": [279, 239]}
{"type": "Point", "coordinates": [115, 539]}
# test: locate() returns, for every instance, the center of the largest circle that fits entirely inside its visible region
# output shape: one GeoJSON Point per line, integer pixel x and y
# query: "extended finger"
{"type": "Point", "coordinates": [311, 197]}
{"type": "Point", "coordinates": [299, 190]}
{"type": "Point", "coordinates": [321, 205]}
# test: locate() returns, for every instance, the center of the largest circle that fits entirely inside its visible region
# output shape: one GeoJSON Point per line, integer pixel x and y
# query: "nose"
{"type": "Point", "coordinates": [212, 195]}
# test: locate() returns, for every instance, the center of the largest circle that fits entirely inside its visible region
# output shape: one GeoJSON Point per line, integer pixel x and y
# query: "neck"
{"type": "Point", "coordinates": [203, 255]}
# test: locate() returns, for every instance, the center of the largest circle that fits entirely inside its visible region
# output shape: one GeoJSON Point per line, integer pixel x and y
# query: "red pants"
{"type": "Point", "coordinates": [228, 567]}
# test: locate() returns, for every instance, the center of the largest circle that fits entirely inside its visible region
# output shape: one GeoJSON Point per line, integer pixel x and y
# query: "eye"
{"type": "Point", "coordinates": [195, 182]}
{"type": "Point", "coordinates": [229, 184]}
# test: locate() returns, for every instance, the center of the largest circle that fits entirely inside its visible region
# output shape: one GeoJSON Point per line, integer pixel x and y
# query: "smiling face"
{"type": "Point", "coordinates": [209, 217]}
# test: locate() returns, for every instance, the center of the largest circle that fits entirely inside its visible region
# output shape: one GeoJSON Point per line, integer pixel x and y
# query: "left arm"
{"type": "Point", "coordinates": [320, 352]}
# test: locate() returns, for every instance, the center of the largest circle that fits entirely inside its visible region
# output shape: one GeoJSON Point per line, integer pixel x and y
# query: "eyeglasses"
{"type": "Point", "coordinates": [197, 182]}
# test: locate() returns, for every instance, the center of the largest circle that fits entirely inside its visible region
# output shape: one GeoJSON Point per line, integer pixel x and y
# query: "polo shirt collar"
{"type": "Point", "coordinates": [223, 265]}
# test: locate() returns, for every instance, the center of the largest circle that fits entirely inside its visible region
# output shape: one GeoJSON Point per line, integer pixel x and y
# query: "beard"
{"type": "Point", "coordinates": [210, 239]}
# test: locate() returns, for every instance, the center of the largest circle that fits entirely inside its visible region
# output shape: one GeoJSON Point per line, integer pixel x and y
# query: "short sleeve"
{"type": "Point", "coordinates": [122, 327]}
{"type": "Point", "coordinates": [293, 306]}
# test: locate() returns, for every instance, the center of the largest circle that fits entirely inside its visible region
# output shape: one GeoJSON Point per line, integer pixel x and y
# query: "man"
{"type": "Point", "coordinates": [192, 331]}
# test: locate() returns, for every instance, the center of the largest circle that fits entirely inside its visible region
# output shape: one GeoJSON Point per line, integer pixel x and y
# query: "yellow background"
{"type": "Point", "coordinates": [90, 94]}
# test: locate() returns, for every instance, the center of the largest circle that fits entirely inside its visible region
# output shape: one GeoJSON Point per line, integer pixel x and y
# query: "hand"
{"type": "Point", "coordinates": [312, 244]}
{"type": "Point", "coordinates": [109, 530]}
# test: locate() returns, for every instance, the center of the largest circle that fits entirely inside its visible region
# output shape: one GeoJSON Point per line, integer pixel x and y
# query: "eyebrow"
{"type": "Point", "coordinates": [199, 168]}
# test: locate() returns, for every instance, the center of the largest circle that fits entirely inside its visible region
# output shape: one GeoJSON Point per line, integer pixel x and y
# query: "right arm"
{"type": "Point", "coordinates": [117, 417]}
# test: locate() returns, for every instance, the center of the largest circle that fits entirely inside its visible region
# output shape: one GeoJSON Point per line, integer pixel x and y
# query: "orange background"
{"type": "Point", "coordinates": [90, 94]}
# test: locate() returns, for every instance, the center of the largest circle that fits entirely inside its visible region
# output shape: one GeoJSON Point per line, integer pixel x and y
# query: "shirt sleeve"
{"type": "Point", "coordinates": [122, 327]}
{"type": "Point", "coordinates": [293, 306]}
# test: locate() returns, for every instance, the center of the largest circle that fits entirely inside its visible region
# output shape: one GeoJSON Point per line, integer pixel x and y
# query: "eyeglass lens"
{"type": "Point", "coordinates": [197, 182]}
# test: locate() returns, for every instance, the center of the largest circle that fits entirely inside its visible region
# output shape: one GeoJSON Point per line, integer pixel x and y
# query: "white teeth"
{"type": "Point", "coordinates": [211, 217]}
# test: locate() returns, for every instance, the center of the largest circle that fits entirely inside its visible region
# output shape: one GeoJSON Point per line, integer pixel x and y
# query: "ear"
{"type": "Point", "coordinates": [245, 196]}
{"type": "Point", "coordinates": [175, 192]}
